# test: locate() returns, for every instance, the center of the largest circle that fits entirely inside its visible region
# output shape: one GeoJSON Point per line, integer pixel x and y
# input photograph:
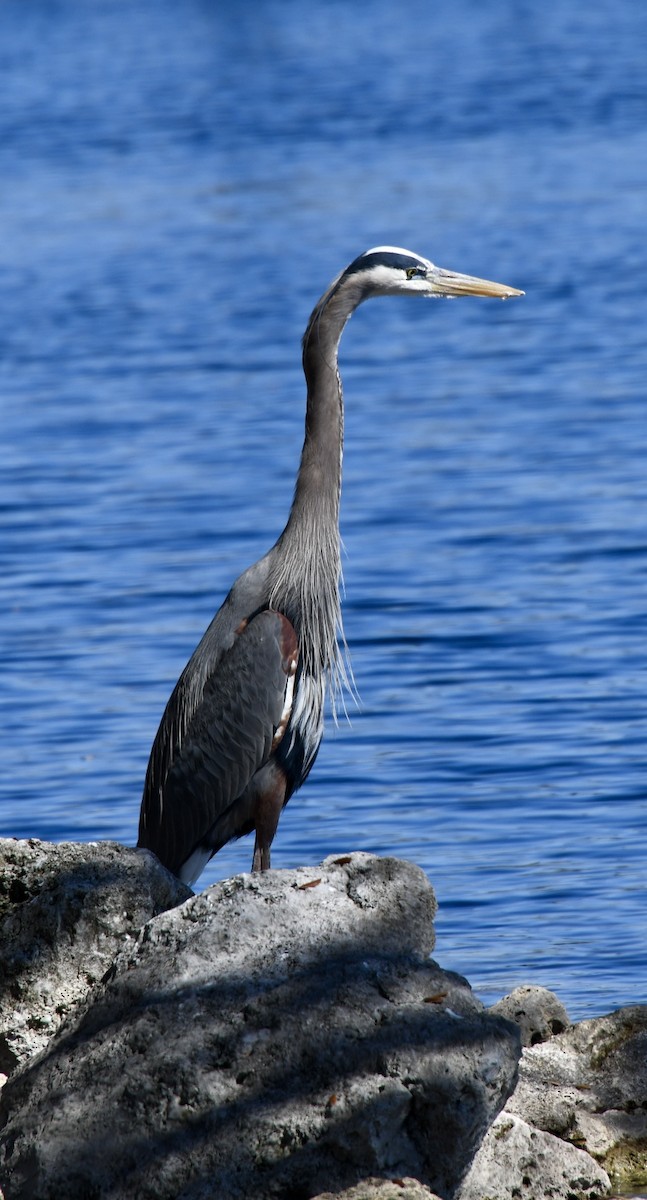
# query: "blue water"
{"type": "Point", "coordinates": [179, 184]}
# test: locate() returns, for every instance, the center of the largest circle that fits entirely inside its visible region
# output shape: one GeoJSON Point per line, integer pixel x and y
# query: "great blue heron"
{"type": "Point", "coordinates": [243, 725]}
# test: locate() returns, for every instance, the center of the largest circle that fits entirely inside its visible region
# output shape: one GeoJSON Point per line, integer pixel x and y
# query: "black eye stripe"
{"type": "Point", "coordinates": [385, 258]}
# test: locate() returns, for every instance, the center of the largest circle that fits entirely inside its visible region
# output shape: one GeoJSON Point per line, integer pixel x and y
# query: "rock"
{"type": "Point", "coordinates": [538, 1013]}
{"type": "Point", "coordinates": [283, 1034]}
{"type": "Point", "coordinates": [383, 1189]}
{"type": "Point", "coordinates": [515, 1160]}
{"type": "Point", "coordinates": [65, 911]}
{"type": "Point", "coordinates": [589, 1086]}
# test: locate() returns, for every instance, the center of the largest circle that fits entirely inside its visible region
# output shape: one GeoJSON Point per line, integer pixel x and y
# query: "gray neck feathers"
{"type": "Point", "coordinates": [306, 572]}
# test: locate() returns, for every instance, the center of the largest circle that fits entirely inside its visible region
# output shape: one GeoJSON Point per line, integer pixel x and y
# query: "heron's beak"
{"type": "Point", "coordinates": [450, 283]}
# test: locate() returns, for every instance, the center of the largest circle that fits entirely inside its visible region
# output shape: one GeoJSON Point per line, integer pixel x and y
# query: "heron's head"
{"type": "Point", "coordinates": [391, 271]}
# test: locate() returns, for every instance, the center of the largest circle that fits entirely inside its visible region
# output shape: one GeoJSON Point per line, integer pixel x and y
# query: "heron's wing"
{"type": "Point", "coordinates": [229, 735]}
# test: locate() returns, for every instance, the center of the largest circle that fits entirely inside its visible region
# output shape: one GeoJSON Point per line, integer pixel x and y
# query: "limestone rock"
{"type": "Point", "coordinates": [515, 1160]}
{"type": "Point", "coordinates": [589, 1086]}
{"type": "Point", "coordinates": [538, 1013]}
{"type": "Point", "coordinates": [283, 1034]}
{"type": "Point", "coordinates": [383, 1189]}
{"type": "Point", "coordinates": [65, 911]}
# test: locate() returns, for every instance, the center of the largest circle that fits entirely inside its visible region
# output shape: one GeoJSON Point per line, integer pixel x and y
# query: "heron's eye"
{"type": "Point", "coordinates": [415, 272]}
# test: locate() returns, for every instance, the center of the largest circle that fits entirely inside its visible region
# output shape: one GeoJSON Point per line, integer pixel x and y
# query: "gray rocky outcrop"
{"type": "Point", "coordinates": [578, 1115]}
{"type": "Point", "coordinates": [515, 1160]}
{"type": "Point", "coordinates": [279, 1035]}
{"type": "Point", "coordinates": [538, 1013]}
{"type": "Point", "coordinates": [589, 1087]}
{"type": "Point", "coordinates": [285, 1035]}
{"type": "Point", "coordinates": [383, 1189]}
{"type": "Point", "coordinates": [65, 911]}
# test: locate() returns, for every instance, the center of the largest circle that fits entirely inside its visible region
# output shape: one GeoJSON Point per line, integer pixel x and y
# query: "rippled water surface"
{"type": "Point", "coordinates": [179, 183]}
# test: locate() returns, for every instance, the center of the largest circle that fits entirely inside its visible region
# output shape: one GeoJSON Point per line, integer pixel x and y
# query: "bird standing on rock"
{"type": "Point", "coordinates": [243, 725]}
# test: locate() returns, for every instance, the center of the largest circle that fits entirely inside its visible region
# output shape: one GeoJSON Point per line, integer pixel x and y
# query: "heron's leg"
{"type": "Point", "coordinates": [261, 859]}
{"type": "Point", "coordinates": [267, 810]}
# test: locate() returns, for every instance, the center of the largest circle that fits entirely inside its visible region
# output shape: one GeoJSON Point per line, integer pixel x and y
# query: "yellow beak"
{"type": "Point", "coordinates": [450, 283]}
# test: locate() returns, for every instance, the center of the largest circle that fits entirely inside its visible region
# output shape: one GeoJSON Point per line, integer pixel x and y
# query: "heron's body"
{"type": "Point", "coordinates": [243, 725]}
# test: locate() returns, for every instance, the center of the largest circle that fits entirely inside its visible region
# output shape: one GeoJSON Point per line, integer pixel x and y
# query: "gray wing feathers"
{"type": "Point", "coordinates": [225, 740]}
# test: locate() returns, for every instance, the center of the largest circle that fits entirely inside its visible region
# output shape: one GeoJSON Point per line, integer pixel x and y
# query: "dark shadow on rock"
{"type": "Point", "coordinates": [65, 911]}
{"type": "Point", "coordinates": [306, 1062]}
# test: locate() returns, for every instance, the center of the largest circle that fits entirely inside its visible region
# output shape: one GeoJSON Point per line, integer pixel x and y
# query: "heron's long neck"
{"type": "Point", "coordinates": [316, 497]}
{"type": "Point", "coordinates": [310, 557]}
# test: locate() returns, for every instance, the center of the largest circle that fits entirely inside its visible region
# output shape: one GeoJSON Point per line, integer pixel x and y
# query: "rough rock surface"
{"type": "Point", "coordinates": [589, 1086]}
{"type": "Point", "coordinates": [383, 1189]}
{"type": "Point", "coordinates": [538, 1013]}
{"type": "Point", "coordinates": [516, 1161]}
{"type": "Point", "coordinates": [277, 1035]}
{"type": "Point", "coordinates": [65, 911]}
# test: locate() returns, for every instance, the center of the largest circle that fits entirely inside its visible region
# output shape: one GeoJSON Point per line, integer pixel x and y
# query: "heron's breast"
{"type": "Point", "coordinates": [299, 747]}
